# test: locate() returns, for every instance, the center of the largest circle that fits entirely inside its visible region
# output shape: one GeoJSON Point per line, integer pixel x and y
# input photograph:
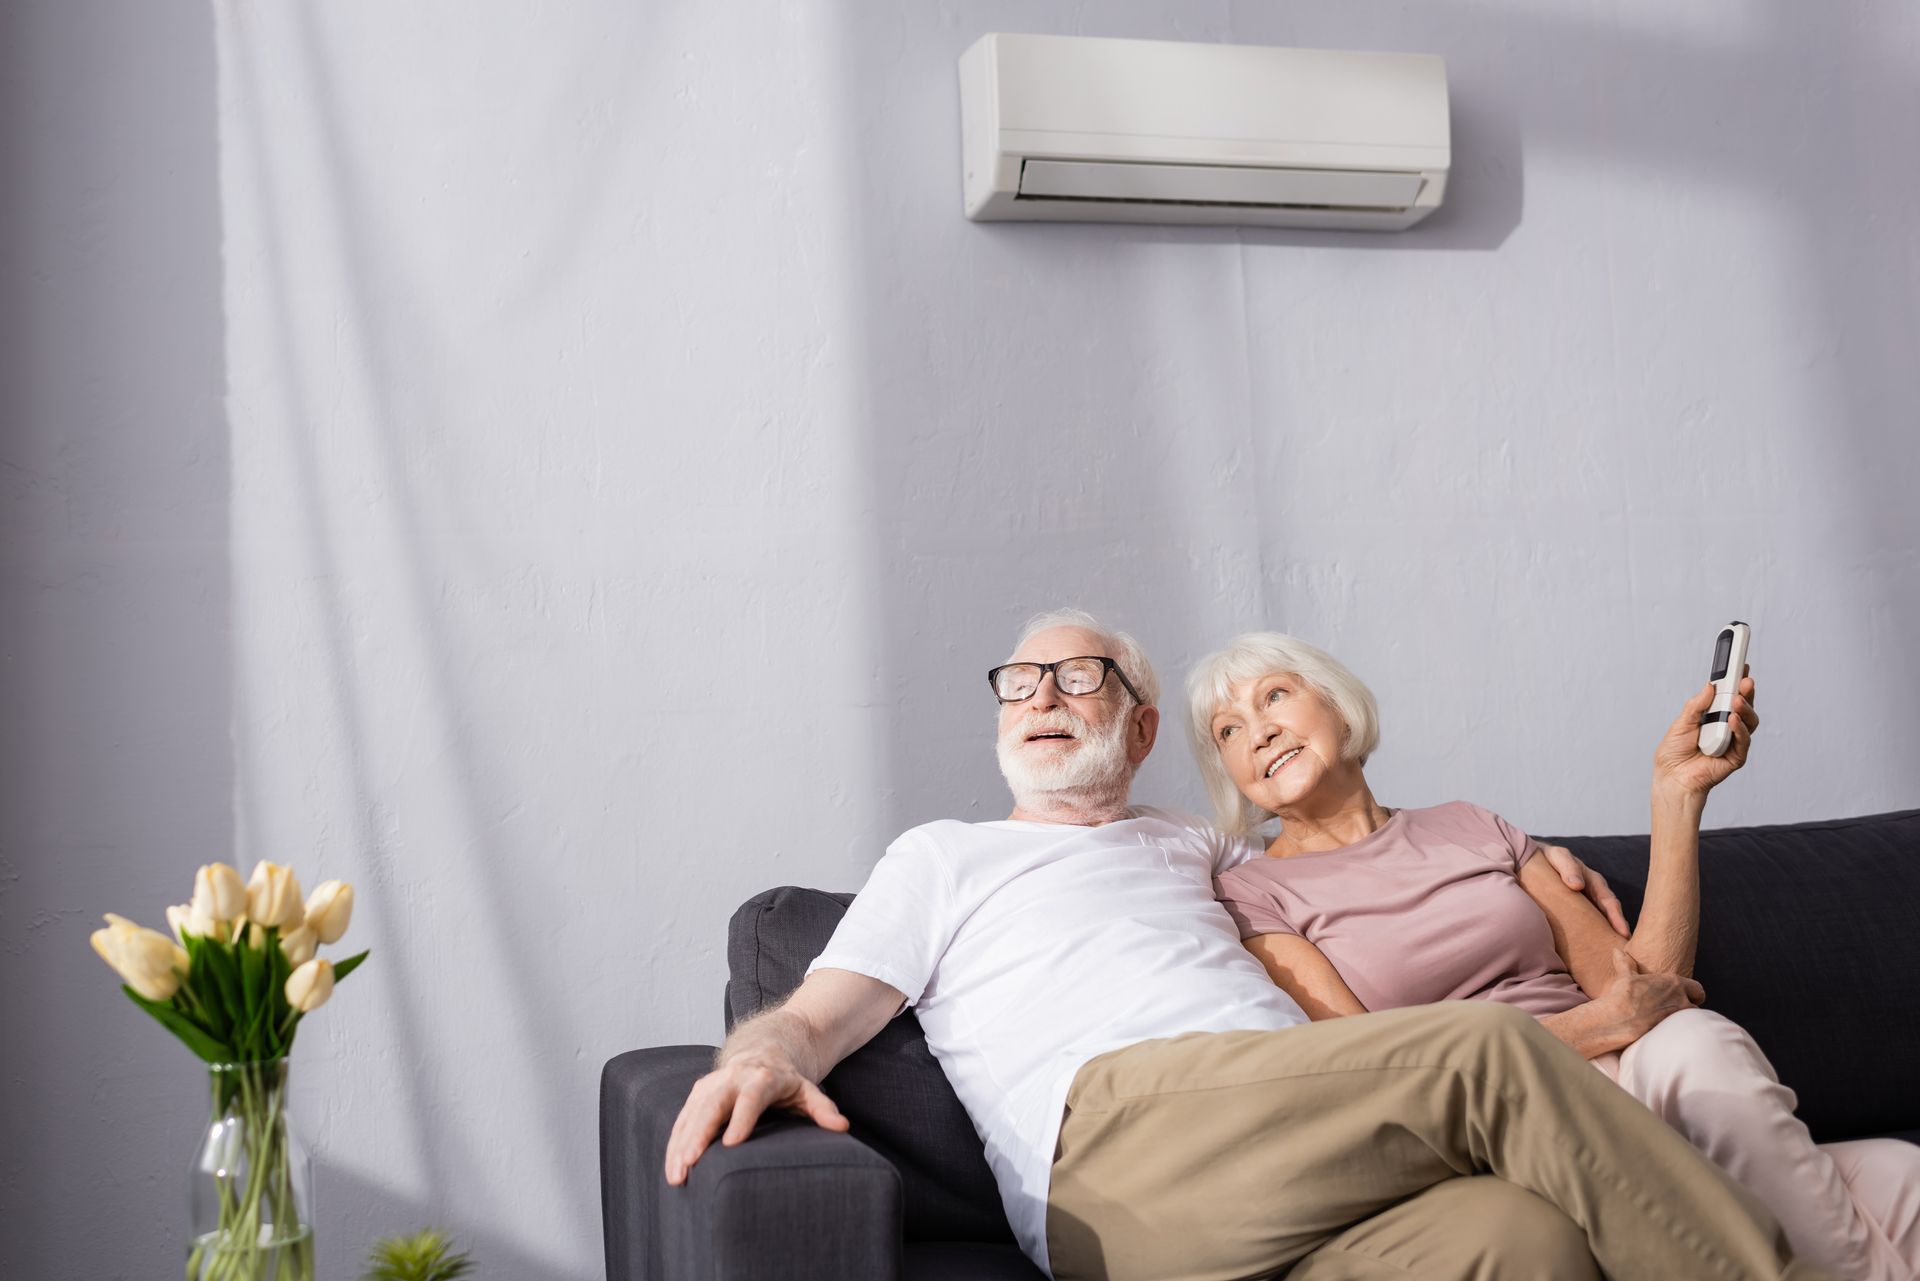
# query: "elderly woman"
{"type": "Point", "coordinates": [1358, 907]}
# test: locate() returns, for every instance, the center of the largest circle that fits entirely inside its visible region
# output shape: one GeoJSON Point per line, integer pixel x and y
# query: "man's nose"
{"type": "Point", "coordinates": [1047, 692]}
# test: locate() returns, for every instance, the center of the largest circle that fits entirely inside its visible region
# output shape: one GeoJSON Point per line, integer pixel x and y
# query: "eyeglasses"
{"type": "Point", "coordinates": [1016, 682]}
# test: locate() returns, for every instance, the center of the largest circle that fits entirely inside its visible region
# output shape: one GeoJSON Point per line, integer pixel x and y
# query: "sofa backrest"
{"type": "Point", "coordinates": [892, 1090]}
{"type": "Point", "coordinates": [1808, 940]}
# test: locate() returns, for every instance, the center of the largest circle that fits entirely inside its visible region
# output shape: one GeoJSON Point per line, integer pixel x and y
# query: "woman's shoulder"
{"type": "Point", "coordinates": [1455, 813]}
{"type": "Point", "coordinates": [1472, 826]}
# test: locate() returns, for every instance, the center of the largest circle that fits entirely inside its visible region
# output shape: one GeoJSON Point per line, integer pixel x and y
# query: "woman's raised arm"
{"type": "Point", "coordinates": [1668, 932]}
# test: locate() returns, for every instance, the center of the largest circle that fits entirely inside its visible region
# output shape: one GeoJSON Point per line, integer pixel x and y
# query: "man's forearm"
{"type": "Point", "coordinates": [776, 1037]}
{"type": "Point", "coordinates": [1669, 928]}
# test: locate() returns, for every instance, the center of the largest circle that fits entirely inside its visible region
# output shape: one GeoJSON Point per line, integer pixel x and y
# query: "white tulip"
{"type": "Point", "coordinates": [218, 894]}
{"type": "Point", "coordinates": [148, 961]}
{"type": "Point", "coordinates": [202, 920]}
{"type": "Point", "coordinates": [180, 921]}
{"type": "Point", "coordinates": [309, 986]}
{"type": "Point", "coordinates": [273, 897]}
{"type": "Point", "coordinates": [299, 945]}
{"type": "Point", "coordinates": [329, 908]}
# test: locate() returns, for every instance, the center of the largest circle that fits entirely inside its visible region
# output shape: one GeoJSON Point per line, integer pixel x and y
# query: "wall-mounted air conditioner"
{"type": "Point", "coordinates": [1077, 129]}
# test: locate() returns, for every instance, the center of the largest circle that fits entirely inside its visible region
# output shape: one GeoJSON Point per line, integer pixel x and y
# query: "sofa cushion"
{"type": "Point", "coordinates": [892, 1090]}
{"type": "Point", "coordinates": [1808, 940]}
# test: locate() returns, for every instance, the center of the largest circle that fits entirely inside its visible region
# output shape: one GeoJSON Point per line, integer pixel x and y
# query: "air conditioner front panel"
{"type": "Point", "coordinates": [1217, 185]}
{"type": "Point", "coordinates": [1139, 88]}
{"type": "Point", "coordinates": [1068, 128]}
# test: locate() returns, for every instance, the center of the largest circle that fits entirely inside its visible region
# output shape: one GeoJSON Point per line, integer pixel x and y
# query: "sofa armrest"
{"type": "Point", "coordinates": [794, 1202]}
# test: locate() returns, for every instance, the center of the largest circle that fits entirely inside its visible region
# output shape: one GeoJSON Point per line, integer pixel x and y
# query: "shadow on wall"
{"type": "Point", "coordinates": [116, 769]}
{"type": "Point", "coordinates": [388, 330]}
{"type": "Point", "coordinates": [374, 1210]}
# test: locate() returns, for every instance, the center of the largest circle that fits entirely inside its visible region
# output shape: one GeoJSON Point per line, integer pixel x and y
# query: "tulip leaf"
{"type": "Point", "coordinates": [259, 1001]}
{"type": "Point", "coordinates": [180, 1025]}
{"type": "Point", "coordinates": [220, 989]}
{"type": "Point", "coordinates": [279, 1034]}
{"type": "Point", "coordinates": [349, 965]}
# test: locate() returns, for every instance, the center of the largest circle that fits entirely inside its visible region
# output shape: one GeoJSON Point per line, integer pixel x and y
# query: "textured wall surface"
{"type": "Point", "coordinates": [116, 765]}
{"type": "Point", "coordinates": [632, 460]}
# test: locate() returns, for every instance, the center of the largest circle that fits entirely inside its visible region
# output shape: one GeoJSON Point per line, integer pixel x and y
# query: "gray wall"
{"type": "Point", "coordinates": [630, 461]}
{"type": "Point", "coordinates": [116, 764]}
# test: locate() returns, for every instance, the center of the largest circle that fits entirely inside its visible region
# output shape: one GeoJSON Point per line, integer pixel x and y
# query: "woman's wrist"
{"type": "Point", "coordinates": [1674, 800]}
{"type": "Point", "coordinates": [1590, 1030]}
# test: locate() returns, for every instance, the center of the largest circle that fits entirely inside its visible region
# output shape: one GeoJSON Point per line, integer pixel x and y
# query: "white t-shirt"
{"type": "Point", "coordinates": [1029, 948]}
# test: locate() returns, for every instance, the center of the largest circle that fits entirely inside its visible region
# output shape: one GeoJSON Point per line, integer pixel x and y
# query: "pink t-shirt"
{"type": "Point", "coordinates": [1428, 908]}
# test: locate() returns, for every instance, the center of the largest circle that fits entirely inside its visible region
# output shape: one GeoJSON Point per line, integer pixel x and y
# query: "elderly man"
{"type": "Point", "coordinates": [1152, 1105]}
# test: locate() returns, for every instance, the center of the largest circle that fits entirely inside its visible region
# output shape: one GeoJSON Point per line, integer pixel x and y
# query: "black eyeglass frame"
{"type": "Point", "coordinates": [1106, 665]}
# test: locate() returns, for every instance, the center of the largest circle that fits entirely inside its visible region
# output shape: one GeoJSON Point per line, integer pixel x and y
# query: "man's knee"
{"type": "Point", "coordinates": [1513, 1235]}
{"type": "Point", "coordinates": [1497, 1023]}
{"type": "Point", "coordinates": [1477, 1227]}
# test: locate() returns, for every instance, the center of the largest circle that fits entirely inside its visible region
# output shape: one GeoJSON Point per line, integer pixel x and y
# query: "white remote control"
{"type": "Point", "coordinates": [1729, 664]}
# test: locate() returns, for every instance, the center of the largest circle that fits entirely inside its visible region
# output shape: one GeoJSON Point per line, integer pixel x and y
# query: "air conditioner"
{"type": "Point", "coordinates": [1079, 129]}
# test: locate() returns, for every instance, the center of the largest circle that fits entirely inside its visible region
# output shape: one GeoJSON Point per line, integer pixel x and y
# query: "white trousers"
{"type": "Point", "coordinates": [1853, 1208]}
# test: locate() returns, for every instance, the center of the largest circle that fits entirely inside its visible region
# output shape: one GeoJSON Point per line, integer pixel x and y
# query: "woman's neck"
{"type": "Point", "coordinates": [1331, 817]}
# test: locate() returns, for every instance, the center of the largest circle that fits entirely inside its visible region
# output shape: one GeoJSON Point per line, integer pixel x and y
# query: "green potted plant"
{"type": "Point", "coordinates": [426, 1255]}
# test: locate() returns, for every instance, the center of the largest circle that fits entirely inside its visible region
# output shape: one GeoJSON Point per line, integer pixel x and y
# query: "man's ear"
{"type": "Point", "coordinates": [1143, 726]}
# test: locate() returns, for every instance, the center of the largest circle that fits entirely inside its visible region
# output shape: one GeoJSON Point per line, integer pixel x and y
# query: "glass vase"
{"type": "Point", "coordinates": [252, 1197]}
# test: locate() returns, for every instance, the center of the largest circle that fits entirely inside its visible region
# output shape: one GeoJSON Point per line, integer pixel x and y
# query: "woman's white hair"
{"type": "Point", "coordinates": [1253, 657]}
{"type": "Point", "coordinates": [1121, 648]}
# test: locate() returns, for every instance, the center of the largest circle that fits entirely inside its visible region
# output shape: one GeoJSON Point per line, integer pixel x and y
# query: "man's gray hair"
{"type": "Point", "coordinates": [1121, 648]}
{"type": "Point", "coordinates": [1253, 657]}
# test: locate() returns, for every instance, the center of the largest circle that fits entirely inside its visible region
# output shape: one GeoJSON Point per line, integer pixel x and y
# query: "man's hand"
{"type": "Point", "coordinates": [734, 1095]}
{"type": "Point", "coordinates": [1636, 1002]}
{"type": "Point", "coordinates": [773, 1059]}
{"type": "Point", "coordinates": [1578, 876]}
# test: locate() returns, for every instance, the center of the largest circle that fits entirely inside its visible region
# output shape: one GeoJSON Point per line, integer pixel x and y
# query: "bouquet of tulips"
{"type": "Point", "coordinates": [240, 972]}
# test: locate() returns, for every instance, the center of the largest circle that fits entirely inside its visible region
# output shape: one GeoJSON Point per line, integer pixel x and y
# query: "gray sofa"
{"type": "Point", "coordinates": [1808, 939]}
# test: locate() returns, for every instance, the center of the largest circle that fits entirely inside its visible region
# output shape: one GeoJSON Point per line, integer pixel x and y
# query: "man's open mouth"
{"type": "Point", "coordinates": [1281, 760]}
{"type": "Point", "coordinates": [1044, 735]}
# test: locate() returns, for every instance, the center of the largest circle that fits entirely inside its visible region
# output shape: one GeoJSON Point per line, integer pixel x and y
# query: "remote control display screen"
{"type": "Point", "coordinates": [1721, 653]}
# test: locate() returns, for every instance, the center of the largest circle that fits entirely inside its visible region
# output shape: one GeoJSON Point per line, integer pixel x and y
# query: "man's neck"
{"type": "Point", "coordinates": [1075, 809]}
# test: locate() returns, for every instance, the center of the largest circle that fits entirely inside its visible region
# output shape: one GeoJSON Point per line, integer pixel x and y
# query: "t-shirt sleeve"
{"type": "Point", "coordinates": [1254, 906]}
{"type": "Point", "coordinates": [1224, 850]}
{"type": "Point", "coordinates": [900, 922]}
{"type": "Point", "coordinates": [1519, 846]}
{"type": "Point", "coordinates": [1235, 850]}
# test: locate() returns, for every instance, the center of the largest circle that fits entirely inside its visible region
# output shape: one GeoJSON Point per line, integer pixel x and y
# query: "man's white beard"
{"type": "Point", "coordinates": [1097, 768]}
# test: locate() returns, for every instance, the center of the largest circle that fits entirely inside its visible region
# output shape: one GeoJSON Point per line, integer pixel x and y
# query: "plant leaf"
{"type": "Point", "coordinates": [252, 1041]}
{"type": "Point", "coordinates": [349, 965]}
{"type": "Point", "coordinates": [222, 991]}
{"type": "Point", "coordinates": [195, 1036]}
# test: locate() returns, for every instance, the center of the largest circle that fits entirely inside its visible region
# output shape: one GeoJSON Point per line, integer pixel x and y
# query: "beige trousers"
{"type": "Point", "coordinates": [1219, 1156]}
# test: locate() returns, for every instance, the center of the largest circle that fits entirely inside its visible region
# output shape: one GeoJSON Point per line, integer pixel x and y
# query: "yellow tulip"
{"type": "Point", "coordinates": [309, 986]}
{"type": "Point", "coordinates": [273, 897]}
{"type": "Point", "coordinates": [218, 894]}
{"type": "Point", "coordinates": [299, 945]}
{"type": "Point", "coordinates": [329, 908]}
{"type": "Point", "coordinates": [148, 961]}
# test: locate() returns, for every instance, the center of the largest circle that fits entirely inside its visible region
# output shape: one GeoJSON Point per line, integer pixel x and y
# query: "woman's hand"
{"type": "Point", "coordinates": [1678, 763]}
{"type": "Point", "coordinates": [1636, 1001]}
